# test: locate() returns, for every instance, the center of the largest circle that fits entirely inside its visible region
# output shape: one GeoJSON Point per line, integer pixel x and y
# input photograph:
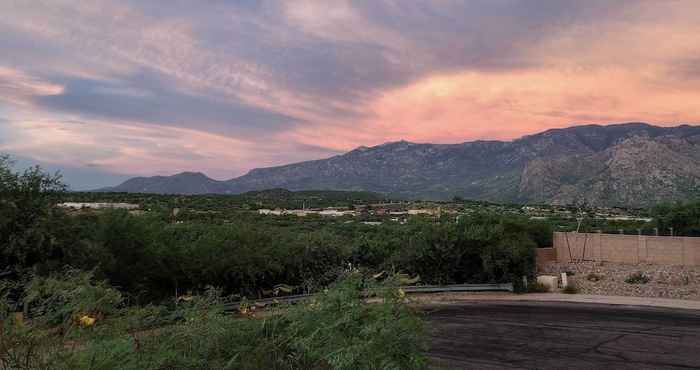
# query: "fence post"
{"type": "Point", "coordinates": [564, 280]}
{"type": "Point", "coordinates": [639, 245]}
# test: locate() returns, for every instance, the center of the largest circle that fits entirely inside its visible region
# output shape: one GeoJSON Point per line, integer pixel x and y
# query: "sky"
{"type": "Point", "coordinates": [108, 89]}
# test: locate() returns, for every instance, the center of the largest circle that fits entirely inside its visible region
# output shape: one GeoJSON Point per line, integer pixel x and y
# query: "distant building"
{"type": "Point", "coordinates": [629, 218]}
{"type": "Point", "coordinates": [414, 212]}
{"type": "Point", "coordinates": [398, 213]}
{"type": "Point", "coordinates": [276, 212]}
{"type": "Point", "coordinates": [335, 213]}
{"type": "Point", "coordinates": [328, 212]}
{"type": "Point", "coordinates": [299, 212]}
{"type": "Point", "coordinates": [77, 205]}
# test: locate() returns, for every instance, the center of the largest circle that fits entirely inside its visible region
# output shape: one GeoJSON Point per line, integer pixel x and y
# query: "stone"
{"type": "Point", "coordinates": [550, 281]}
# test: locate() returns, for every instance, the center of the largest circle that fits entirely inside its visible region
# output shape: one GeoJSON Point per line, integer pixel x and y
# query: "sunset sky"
{"type": "Point", "coordinates": [104, 90]}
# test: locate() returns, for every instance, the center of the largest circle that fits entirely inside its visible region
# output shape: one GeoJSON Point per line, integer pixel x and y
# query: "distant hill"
{"type": "Point", "coordinates": [633, 164]}
{"type": "Point", "coordinates": [182, 183]}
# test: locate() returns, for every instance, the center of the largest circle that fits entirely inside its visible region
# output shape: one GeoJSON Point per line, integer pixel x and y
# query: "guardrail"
{"type": "Point", "coordinates": [459, 288]}
{"type": "Point", "coordinates": [508, 287]}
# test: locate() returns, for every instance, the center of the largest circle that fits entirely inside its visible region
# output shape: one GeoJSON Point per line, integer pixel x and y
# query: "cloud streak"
{"type": "Point", "coordinates": [162, 87]}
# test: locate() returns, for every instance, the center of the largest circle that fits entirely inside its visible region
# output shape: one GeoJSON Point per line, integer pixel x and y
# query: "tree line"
{"type": "Point", "coordinates": [154, 256]}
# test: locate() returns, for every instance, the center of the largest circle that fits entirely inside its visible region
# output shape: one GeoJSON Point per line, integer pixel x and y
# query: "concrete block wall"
{"type": "Point", "coordinates": [665, 250]}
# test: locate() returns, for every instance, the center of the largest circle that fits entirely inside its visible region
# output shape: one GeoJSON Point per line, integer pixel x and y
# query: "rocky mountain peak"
{"type": "Point", "coordinates": [622, 164]}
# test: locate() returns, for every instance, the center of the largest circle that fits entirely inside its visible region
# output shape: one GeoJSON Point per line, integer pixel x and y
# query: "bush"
{"type": "Point", "coordinates": [570, 288]}
{"type": "Point", "coordinates": [336, 329]}
{"type": "Point", "coordinates": [537, 287]}
{"type": "Point", "coordinates": [29, 224]}
{"type": "Point", "coordinates": [63, 300]}
{"type": "Point", "coordinates": [637, 278]}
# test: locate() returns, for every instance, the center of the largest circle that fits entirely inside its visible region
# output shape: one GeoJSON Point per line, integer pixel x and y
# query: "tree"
{"type": "Point", "coordinates": [684, 218]}
{"type": "Point", "coordinates": [27, 214]}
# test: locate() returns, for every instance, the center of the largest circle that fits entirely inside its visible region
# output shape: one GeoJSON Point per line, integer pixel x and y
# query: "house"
{"type": "Point", "coordinates": [79, 205]}
{"type": "Point", "coordinates": [276, 212]}
{"type": "Point", "coordinates": [336, 213]}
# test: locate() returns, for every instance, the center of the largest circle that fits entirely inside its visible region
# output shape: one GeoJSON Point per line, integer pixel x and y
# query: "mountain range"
{"type": "Point", "coordinates": [631, 164]}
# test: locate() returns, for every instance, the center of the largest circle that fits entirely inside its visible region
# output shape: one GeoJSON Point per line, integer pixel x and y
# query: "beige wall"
{"type": "Point", "coordinates": [627, 248]}
{"type": "Point", "coordinates": [544, 256]}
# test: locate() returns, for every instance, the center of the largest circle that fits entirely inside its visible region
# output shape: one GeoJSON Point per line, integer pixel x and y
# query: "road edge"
{"type": "Point", "coordinates": [438, 299]}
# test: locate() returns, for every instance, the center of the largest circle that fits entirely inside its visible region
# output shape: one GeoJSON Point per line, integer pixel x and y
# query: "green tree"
{"type": "Point", "coordinates": [684, 218]}
{"type": "Point", "coordinates": [28, 218]}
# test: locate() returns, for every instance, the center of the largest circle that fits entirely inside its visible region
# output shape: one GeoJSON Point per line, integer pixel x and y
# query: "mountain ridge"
{"type": "Point", "coordinates": [601, 164]}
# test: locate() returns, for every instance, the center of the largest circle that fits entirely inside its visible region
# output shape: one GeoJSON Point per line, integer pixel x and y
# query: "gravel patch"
{"type": "Point", "coordinates": [677, 282]}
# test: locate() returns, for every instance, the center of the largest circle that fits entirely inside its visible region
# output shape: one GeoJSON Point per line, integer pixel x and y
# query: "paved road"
{"type": "Point", "coordinates": [556, 335]}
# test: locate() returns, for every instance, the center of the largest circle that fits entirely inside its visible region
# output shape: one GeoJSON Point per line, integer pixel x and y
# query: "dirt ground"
{"type": "Point", "coordinates": [677, 282]}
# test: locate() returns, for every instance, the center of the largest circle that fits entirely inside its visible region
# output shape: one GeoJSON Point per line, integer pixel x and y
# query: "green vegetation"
{"type": "Point", "coordinates": [570, 288]}
{"type": "Point", "coordinates": [150, 257]}
{"type": "Point", "coordinates": [158, 255]}
{"type": "Point", "coordinates": [592, 276]}
{"type": "Point", "coordinates": [103, 289]}
{"type": "Point", "coordinates": [683, 218]}
{"type": "Point", "coordinates": [28, 227]}
{"type": "Point", "coordinates": [637, 278]}
{"type": "Point", "coordinates": [273, 198]}
{"type": "Point", "coordinates": [85, 324]}
{"type": "Point", "coordinates": [537, 287]}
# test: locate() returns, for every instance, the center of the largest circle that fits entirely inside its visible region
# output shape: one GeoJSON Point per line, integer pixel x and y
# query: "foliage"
{"type": "Point", "coordinates": [161, 254]}
{"type": "Point", "coordinates": [684, 218]}
{"type": "Point", "coordinates": [28, 220]}
{"type": "Point", "coordinates": [637, 278]}
{"type": "Point", "coordinates": [63, 299]}
{"type": "Point", "coordinates": [334, 330]}
{"type": "Point", "coordinates": [537, 287]}
{"type": "Point", "coordinates": [149, 257]}
{"type": "Point", "coordinates": [479, 248]}
{"type": "Point", "coordinates": [218, 203]}
{"type": "Point", "coordinates": [570, 288]}
{"type": "Point", "coordinates": [7, 304]}
{"type": "Point", "coordinates": [25, 348]}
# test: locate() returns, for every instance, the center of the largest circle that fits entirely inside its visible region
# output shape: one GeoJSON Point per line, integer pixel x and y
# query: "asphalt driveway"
{"type": "Point", "coordinates": [558, 335]}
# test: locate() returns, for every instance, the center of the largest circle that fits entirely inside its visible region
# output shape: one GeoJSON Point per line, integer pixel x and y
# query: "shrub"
{"type": "Point", "coordinates": [23, 347]}
{"type": "Point", "coordinates": [537, 287]}
{"type": "Point", "coordinates": [336, 329]}
{"type": "Point", "coordinates": [570, 288]}
{"type": "Point", "coordinates": [63, 300]}
{"type": "Point", "coordinates": [7, 304]}
{"type": "Point", "coordinates": [637, 278]}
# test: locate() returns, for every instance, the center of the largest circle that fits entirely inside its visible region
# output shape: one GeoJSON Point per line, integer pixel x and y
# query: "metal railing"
{"type": "Point", "coordinates": [508, 287]}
